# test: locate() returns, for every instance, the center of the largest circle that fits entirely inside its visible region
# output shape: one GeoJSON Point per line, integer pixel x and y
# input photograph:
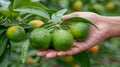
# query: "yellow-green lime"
{"type": "Point", "coordinates": [15, 33]}
{"type": "Point", "coordinates": [36, 23]}
{"type": "Point", "coordinates": [79, 30]}
{"type": "Point", "coordinates": [40, 39]}
{"type": "Point", "coordinates": [62, 40]}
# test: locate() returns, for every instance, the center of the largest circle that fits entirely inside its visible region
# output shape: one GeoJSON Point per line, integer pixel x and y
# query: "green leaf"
{"type": "Point", "coordinates": [4, 59]}
{"type": "Point", "coordinates": [51, 12]}
{"type": "Point", "coordinates": [32, 53]}
{"type": "Point", "coordinates": [7, 23]}
{"type": "Point", "coordinates": [25, 46]}
{"type": "Point", "coordinates": [34, 10]}
{"type": "Point", "coordinates": [5, 13]}
{"type": "Point", "coordinates": [45, 65]}
{"type": "Point", "coordinates": [82, 59]}
{"type": "Point", "coordinates": [10, 7]}
{"type": "Point", "coordinates": [20, 3]}
{"type": "Point", "coordinates": [3, 43]}
{"type": "Point", "coordinates": [38, 4]}
{"type": "Point", "coordinates": [80, 19]}
{"type": "Point", "coordinates": [57, 17]}
{"type": "Point", "coordinates": [2, 32]}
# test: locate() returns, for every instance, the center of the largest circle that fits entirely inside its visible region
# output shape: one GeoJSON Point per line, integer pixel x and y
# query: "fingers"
{"type": "Point", "coordinates": [76, 48]}
{"type": "Point", "coordinates": [72, 51]}
{"type": "Point", "coordinates": [47, 53]}
{"type": "Point", "coordinates": [51, 54]}
{"type": "Point", "coordinates": [75, 14]}
{"type": "Point", "coordinates": [62, 53]}
{"type": "Point", "coordinates": [42, 53]}
{"type": "Point", "coordinates": [88, 15]}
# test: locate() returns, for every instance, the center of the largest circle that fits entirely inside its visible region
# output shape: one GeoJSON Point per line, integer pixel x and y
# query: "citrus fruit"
{"type": "Point", "coordinates": [36, 23]}
{"type": "Point", "coordinates": [97, 8]}
{"type": "Point", "coordinates": [30, 59]}
{"type": "Point", "coordinates": [68, 59]}
{"type": "Point", "coordinates": [40, 39]}
{"type": "Point", "coordinates": [79, 31]}
{"type": "Point", "coordinates": [94, 49]}
{"type": "Point", "coordinates": [76, 65]}
{"type": "Point", "coordinates": [15, 33]}
{"type": "Point", "coordinates": [62, 40]}
{"type": "Point", "coordinates": [110, 6]}
{"type": "Point", "coordinates": [77, 5]}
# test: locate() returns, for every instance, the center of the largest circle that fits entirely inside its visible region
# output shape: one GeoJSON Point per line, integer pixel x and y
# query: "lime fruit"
{"type": "Point", "coordinates": [36, 23]}
{"type": "Point", "coordinates": [15, 33]}
{"type": "Point", "coordinates": [62, 40]}
{"type": "Point", "coordinates": [110, 6]}
{"type": "Point", "coordinates": [40, 39]}
{"type": "Point", "coordinates": [79, 31]}
{"type": "Point", "coordinates": [77, 5]}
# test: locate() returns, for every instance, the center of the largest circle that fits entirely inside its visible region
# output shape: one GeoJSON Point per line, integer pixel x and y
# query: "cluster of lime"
{"type": "Point", "coordinates": [42, 38]}
{"type": "Point", "coordinates": [60, 39]}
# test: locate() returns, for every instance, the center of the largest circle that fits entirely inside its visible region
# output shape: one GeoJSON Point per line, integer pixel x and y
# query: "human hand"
{"type": "Point", "coordinates": [95, 36]}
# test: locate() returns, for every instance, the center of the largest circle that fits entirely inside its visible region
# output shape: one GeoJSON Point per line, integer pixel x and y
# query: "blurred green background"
{"type": "Point", "coordinates": [108, 54]}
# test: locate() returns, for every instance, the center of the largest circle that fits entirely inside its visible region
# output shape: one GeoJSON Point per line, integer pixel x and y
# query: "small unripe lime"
{"type": "Point", "coordinates": [15, 33]}
{"type": "Point", "coordinates": [79, 31]}
{"type": "Point", "coordinates": [62, 40]}
{"type": "Point", "coordinates": [40, 39]}
{"type": "Point", "coordinates": [110, 6]}
{"type": "Point", "coordinates": [77, 5]}
{"type": "Point", "coordinates": [36, 23]}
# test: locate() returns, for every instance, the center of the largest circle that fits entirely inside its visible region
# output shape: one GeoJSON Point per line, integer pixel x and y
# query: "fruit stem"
{"type": "Point", "coordinates": [48, 25]}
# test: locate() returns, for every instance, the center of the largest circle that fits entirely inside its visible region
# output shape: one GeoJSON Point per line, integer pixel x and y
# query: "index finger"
{"type": "Point", "coordinates": [75, 14]}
